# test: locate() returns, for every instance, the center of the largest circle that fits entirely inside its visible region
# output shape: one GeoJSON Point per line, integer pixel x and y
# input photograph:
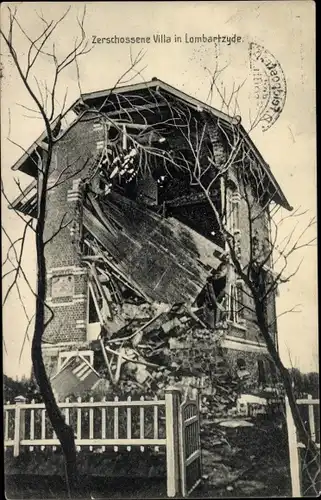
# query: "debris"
{"type": "Point", "coordinates": [250, 488]}
{"type": "Point", "coordinates": [243, 374]}
{"type": "Point", "coordinates": [252, 399]}
{"type": "Point", "coordinates": [115, 325]}
{"type": "Point", "coordinates": [106, 361]}
{"type": "Point", "coordinates": [175, 344]}
{"type": "Point", "coordinates": [142, 374]}
{"type": "Point", "coordinates": [161, 308]}
{"type": "Point", "coordinates": [236, 423]}
{"type": "Point", "coordinates": [120, 361]}
{"type": "Point", "coordinates": [167, 327]}
{"type": "Point", "coordinates": [102, 256]}
{"type": "Point", "coordinates": [106, 311]}
{"type": "Point", "coordinates": [136, 311]}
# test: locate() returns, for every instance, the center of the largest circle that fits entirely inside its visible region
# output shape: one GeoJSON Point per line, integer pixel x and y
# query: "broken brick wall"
{"type": "Point", "coordinates": [78, 148]}
{"type": "Point", "coordinates": [253, 363]}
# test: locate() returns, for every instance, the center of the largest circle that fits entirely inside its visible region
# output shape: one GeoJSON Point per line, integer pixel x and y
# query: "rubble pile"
{"type": "Point", "coordinates": [144, 346]}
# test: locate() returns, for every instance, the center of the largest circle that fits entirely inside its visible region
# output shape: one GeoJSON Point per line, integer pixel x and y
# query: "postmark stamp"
{"type": "Point", "coordinates": [269, 85]}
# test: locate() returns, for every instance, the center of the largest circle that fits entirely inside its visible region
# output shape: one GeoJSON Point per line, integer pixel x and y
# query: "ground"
{"type": "Point", "coordinates": [251, 461]}
{"type": "Point", "coordinates": [237, 462]}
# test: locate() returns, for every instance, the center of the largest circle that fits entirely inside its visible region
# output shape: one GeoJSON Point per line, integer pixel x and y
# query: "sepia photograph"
{"type": "Point", "coordinates": [159, 250]}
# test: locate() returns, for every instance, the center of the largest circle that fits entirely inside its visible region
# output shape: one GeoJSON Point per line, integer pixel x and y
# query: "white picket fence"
{"type": "Point", "coordinates": [101, 424]}
{"type": "Point", "coordinates": [295, 445]}
{"type": "Point", "coordinates": [30, 431]}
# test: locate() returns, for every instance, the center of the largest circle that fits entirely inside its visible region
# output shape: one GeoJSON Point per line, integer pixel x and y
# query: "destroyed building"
{"type": "Point", "coordinates": [140, 268]}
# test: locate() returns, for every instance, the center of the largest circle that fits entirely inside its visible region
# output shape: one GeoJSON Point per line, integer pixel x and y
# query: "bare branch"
{"type": "Point", "coordinates": [18, 260]}
{"type": "Point", "coordinates": [62, 225]}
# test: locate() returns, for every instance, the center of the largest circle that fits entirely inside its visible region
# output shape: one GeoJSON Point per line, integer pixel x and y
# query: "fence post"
{"type": "Point", "coordinates": [311, 419]}
{"type": "Point", "coordinates": [172, 405]}
{"type": "Point", "coordinates": [19, 424]}
{"type": "Point", "coordinates": [295, 466]}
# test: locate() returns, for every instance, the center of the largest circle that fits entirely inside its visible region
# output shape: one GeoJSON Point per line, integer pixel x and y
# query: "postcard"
{"type": "Point", "coordinates": [159, 263]}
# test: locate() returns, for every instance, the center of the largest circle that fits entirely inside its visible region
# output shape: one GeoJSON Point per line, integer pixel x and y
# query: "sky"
{"type": "Point", "coordinates": [285, 29]}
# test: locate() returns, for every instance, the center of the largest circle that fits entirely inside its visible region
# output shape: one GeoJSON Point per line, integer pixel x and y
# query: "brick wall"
{"type": "Point", "coordinates": [66, 277]}
{"type": "Point", "coordinates": [218, 141]}
{"type": "Point", "coordinates": [252, 332]}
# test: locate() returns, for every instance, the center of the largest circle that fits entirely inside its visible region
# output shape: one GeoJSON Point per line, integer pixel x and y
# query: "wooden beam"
{"type": "Point", "coordinates": [119, 363]}
{"type": "Point", "coordinates": [96, 303]}
{"type": "Point", "coordinates": [101, 290]}
{"type": "Point", "coordinates": [106, 360]}
{"type": "Point", "coordinates": [136, 361]}
{"type": "Point", "coordinates": [120, 276]}
{"type": "Point", "coordinates": [191, 199]}
{"type": "Point", "coordinates": [138, 330]}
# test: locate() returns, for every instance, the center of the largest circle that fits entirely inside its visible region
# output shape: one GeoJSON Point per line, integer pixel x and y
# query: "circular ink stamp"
{"type": "Point", "coordinates": [269, 85]}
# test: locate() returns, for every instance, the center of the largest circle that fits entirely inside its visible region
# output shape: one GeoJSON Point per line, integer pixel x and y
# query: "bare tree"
{"type": "Point", "coordinates": [236, 181]}
{"type": "Point", "coordinates": [44, 96]}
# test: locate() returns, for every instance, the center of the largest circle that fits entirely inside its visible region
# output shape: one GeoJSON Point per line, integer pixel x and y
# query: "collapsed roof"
{"type": "Point", "coordinates": [164, 258]}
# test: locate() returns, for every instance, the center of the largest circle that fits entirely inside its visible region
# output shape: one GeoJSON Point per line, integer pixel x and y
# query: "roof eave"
{"type": "Point", "coordinates": [282, 201]}
{"type": "Point", "coordinates": [28, 162]}
{"type": "Point", "coordinates": [25, 201]}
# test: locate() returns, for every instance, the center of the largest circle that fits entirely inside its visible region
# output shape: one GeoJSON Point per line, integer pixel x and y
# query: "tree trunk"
{"type": "Point", "coordinates": [63, 431]}
{"type": "Point", "coordinates": [286, 380]}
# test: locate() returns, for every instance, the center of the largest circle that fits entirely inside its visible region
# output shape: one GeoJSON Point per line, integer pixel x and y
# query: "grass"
{"type": "Point", "coordinates": [53, 487]}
